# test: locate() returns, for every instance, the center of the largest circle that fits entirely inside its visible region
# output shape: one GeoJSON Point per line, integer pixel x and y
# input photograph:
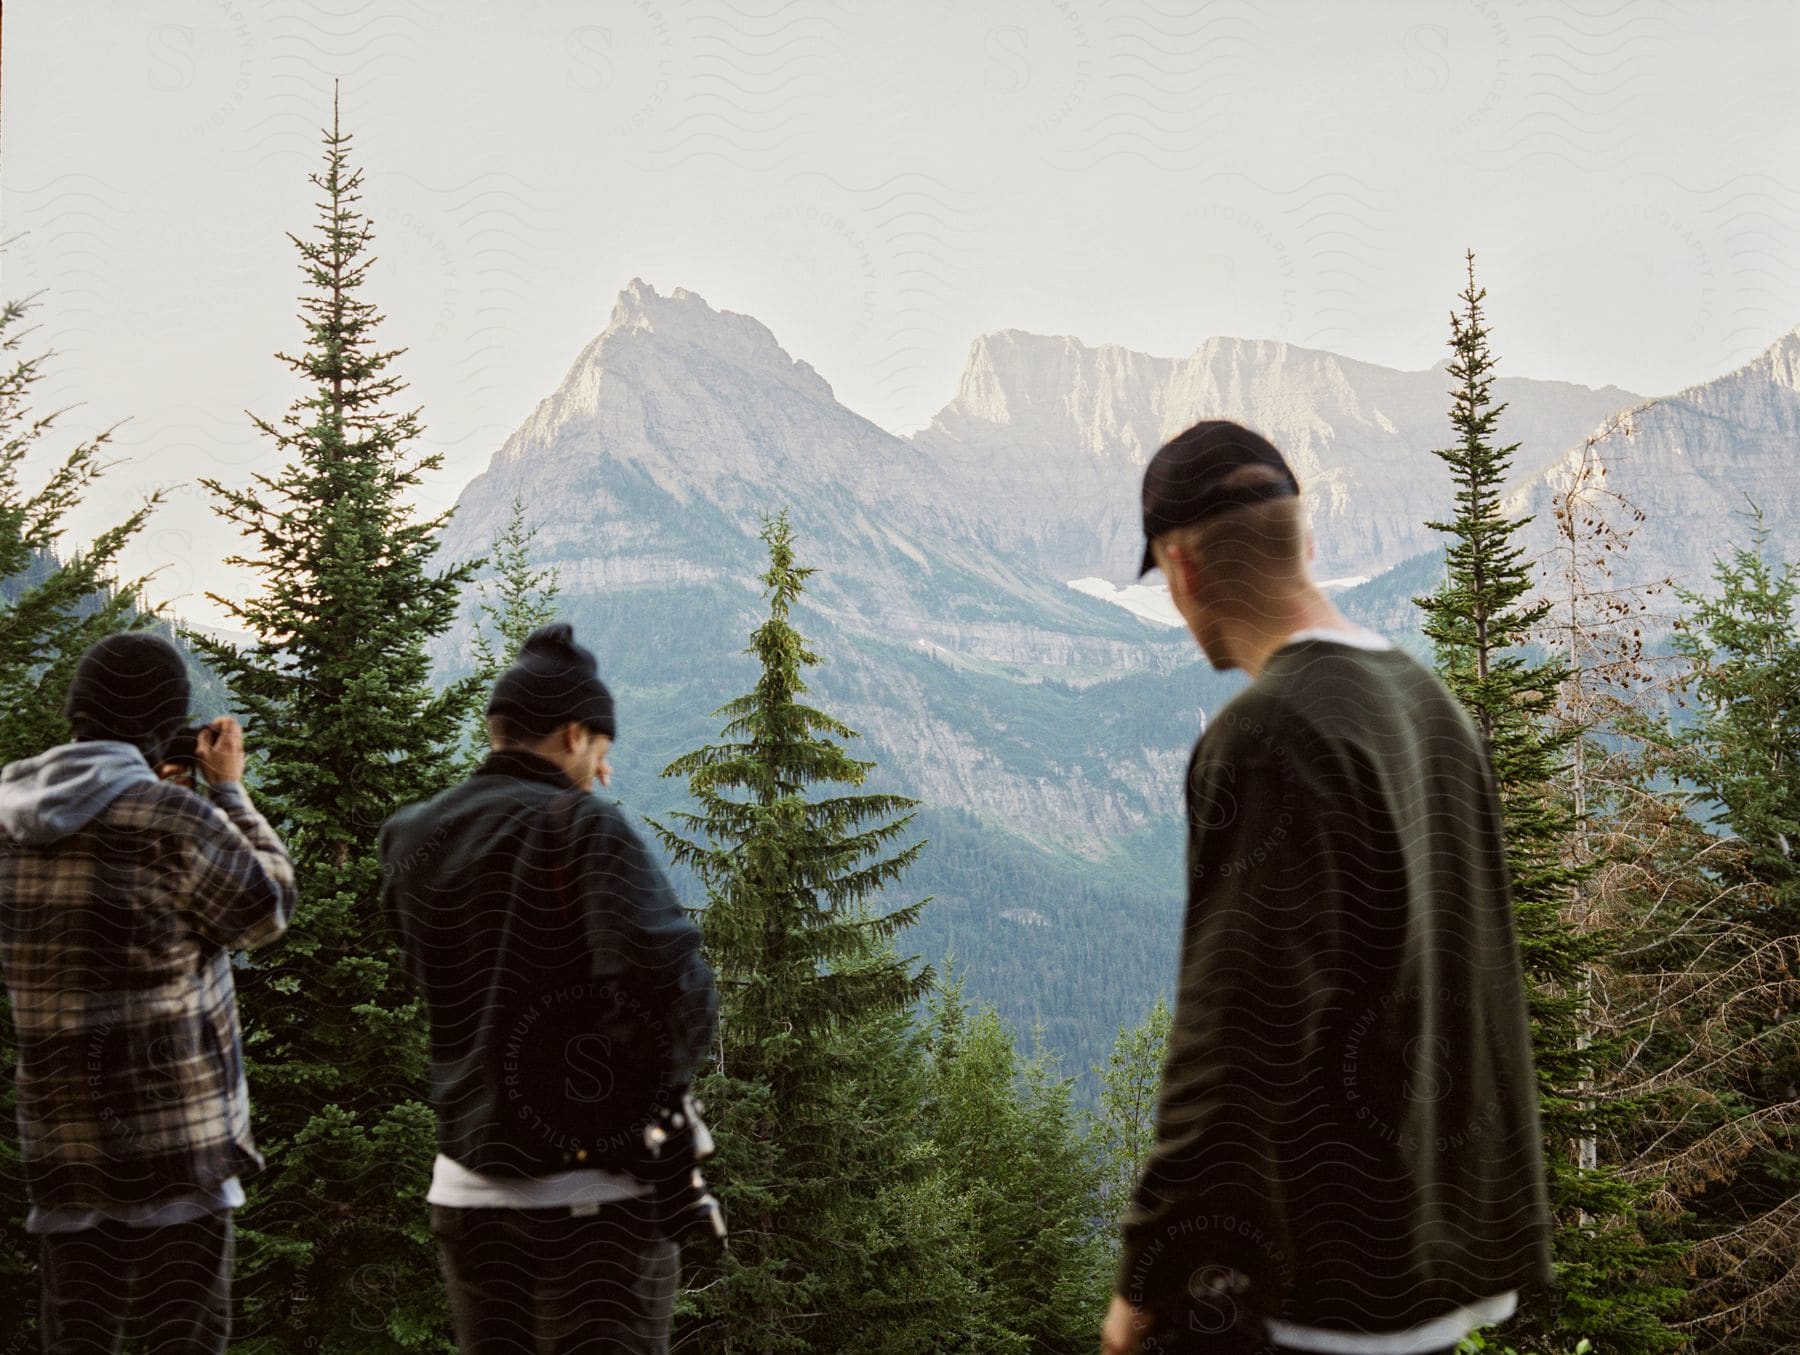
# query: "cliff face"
{"type": "Point", "coordinates": [1048, 436]}
{"type": "Point", "coordinates": [1694, 463]}
{"type": "Point", "coordinates": [647, 473]}
{"type": "Point", "coordinates": [941, 602]}
{"type": "Point", "coordinates": [1045, 731]}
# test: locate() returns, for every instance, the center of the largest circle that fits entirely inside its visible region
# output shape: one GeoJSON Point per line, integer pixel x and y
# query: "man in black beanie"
{"type": "Point", "coordinates": [568, 1003]}
{"type": "Point", "coordinates": [121, 898]}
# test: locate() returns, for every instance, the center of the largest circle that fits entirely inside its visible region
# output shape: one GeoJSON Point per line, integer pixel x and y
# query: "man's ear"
{"type": "Point", "coordinates": [1181, 560]}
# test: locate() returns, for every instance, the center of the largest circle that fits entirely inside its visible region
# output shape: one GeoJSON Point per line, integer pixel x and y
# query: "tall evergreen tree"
{"type": "Point", "coordinates": [516, 601]}
{"type": "Point", "coordinates": [1024, 1186]}
{"type": "Point", "coordinates": [345, 727]}
{"type": "Point", "coordinates": [1481, 622]}
{"type": "Point", "coordinates": [1124, 1127]}
{"type": "Point", "coordinates": [54, 603]}
{"type": "Point", "coordinates": [809, 1086]}
{"type": "Point", "coordinates": [1740, 760]}
{"type": "Point", "coordinates": [508, 607]}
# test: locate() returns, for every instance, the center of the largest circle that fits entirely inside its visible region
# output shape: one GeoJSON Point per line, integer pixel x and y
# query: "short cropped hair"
{"type": "Point", "coordinates": [509, 729]}
{"type": "Point", "coordinates": [1258, 540]}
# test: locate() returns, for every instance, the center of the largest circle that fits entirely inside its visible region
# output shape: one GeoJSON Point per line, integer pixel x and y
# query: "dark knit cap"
{"type": "Point", "coordinates": [553, 682]}
{"type": "Point", "coordinates": [133, 687]}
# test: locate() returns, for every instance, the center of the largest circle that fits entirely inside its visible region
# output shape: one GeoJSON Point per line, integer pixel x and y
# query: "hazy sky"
{"type": "Point", "coordinates": [878, 183]}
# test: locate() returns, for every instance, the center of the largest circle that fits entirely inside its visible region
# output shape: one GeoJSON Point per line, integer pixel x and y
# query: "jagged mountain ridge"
{"type": "Point", "coordinates": [1693, 462]}
{"type": "Point", "coordinates": [646, 474]}
{"type": "Point", "coordinates": [1049, 436]}
{"type": "Point", "coordinates": [1045, 731]}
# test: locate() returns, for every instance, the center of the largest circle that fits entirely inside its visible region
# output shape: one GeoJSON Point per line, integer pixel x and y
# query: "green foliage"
{"type": "Point", "coordinates": [54, 604]}
{"type": "Point", "coordinates": [1124, 1127]}
{"type": "Point", "coordinates": [515, 602]}
{"type": "Point", "coordinates": [811, 1093]}
{"type": "Point", "coordinates": [1745, 654]}
{"type": "Point", "coordinates": [345, 727]}
{"type": "Point", "coordinates": [1475, 1344]}
{"type": "Point", "coordinates": [1739, 760]}
{"type": "Point", "coordinates": [1022, 1186]}
{"type": "Point", "coordinates": [1480, 621]}
{"type": "Point", "coordinates": [51, 609]}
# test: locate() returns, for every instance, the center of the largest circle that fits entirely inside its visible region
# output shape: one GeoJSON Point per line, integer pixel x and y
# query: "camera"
{"type": "Point", "coordinates": [182, 754]}
{"type": "Point", "coordinates": [687, 1211]}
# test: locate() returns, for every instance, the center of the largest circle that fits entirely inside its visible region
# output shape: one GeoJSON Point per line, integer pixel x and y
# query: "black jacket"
{"type": "Point", "coordinates": [1347, 1135]}
{"type": "Point", "coordinates": [508, 893]}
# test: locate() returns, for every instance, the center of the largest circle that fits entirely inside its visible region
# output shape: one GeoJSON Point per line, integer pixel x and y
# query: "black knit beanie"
{"type": "Point", "coordinates": [133, 687]}
{"type": "Point", "coordinates": [553, 682]}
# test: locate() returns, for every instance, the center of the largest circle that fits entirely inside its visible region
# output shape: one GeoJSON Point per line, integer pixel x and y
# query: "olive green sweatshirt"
{"type": "Point", "coordinates": [1347, 1136]}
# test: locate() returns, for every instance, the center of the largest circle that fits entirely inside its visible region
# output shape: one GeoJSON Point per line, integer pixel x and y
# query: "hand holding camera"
{"type": "Point", "coordinates": [220, 750]}
{"type": "Point", "coordinates": [214, 750]}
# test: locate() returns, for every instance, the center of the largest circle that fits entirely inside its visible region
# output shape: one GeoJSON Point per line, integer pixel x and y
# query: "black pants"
{"type": "Point", "coordinates": [175, 1281]}
{"type": "Point", "coordinates": [546, 1282]}
{"type": "Point", "coordinates": [1228, 1345]}
{"type": "Point", "coordinates": [1188, 1343]}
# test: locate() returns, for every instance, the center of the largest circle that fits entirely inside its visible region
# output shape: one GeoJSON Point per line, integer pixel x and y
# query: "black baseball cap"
{"type": "Point", "coordinates": [1185, 481]}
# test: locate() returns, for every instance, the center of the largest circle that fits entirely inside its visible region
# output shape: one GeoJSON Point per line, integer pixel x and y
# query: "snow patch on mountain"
{"type": "Point", "coordinates": [1148, 600]}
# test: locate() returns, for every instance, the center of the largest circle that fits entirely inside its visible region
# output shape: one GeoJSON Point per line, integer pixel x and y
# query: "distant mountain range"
{"type": "Point", "coordinates": [1044, 728]}
{"type": "Point", "coordinates": [1050, 436]}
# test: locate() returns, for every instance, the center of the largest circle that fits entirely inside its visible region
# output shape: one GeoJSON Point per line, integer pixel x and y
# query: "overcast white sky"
{"type": "Point", "coordinates": [878, 183]}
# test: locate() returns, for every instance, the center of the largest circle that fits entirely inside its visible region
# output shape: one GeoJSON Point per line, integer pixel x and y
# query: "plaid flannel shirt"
{"type": "Point", "coordinates": [116, 942]}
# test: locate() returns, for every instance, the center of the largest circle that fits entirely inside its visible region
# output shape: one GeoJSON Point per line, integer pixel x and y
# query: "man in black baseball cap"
{"type": "Point", "coordinates": [1347, 1154]}
{"type": "Point", "coordinates": [1202, 472]}
{"type": "Point", "coordinates": [567, 994]}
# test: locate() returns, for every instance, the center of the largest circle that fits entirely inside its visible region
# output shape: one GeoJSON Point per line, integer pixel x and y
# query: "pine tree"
{"type": "Point", "coordinates": [1746, 657]}
{"type": "Point", "coordinates": [1654, 1023]}
{"type": "Point", "coordinates": [1124, 1130]}
{"type": "Point", "coordinates": [1025, 1186]}
{"type": "Point", "coordinates": [516, 601]}
{"type": "Point", "coordinates": [53, 602]}
{"type": "Point", "coordinates": [345, 727]}
{"type": "Point", "coordinates": [1739, 760]}
{"type": "Point", "coordinates": [810, 1077]}
{"type": "Point", "coordinates": [1481, 622]}
{"type": "Point", "coordinates": [52, 607]}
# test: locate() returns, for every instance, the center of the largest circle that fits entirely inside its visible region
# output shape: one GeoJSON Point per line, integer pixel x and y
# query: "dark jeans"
{"type": "Point", "coordinates": [546, 1282]}
{"type": "Point", "coordinates": [174, 1280]}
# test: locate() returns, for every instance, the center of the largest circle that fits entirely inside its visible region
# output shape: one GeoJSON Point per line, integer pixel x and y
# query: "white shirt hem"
{"type": "Point", "coordinates": [1432, 1335]}
{"type": "Point", "coordinates": [456, 1187]}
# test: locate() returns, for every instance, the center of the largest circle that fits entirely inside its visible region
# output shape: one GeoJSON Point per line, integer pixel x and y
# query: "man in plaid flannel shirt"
{"type": "Point", "coordinates": [122, 897]}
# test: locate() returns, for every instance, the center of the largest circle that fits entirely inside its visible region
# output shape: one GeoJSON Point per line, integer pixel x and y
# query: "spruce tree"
{"type": "Point", "coordinates": [1739, 761]}
{"type": "Point", "coordinates": [1025, 1187]}
{"type": "Point", "coordinates": [1481, 622]}
{"type": "Point", "coordinates": [1124, 1129]}
{"type": "Point", "coordinates": [508, 607]}
{"type": "Point", "coordinates": [1745, 654]}
{"type": "Point", "coordinates": [344, 728]}
{"type": "Point", "coordinates": [809, 1090]}
{"type": "Point", "coordinates": [54, 603]}
{"type": "Point", "coordinates": [516, 601]}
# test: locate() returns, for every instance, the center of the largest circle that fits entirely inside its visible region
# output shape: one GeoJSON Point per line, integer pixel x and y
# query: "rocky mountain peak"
{"type": "Point", "coordinates": [1780, 362]}
{"type": "Point", "coordinates": [683, 320]}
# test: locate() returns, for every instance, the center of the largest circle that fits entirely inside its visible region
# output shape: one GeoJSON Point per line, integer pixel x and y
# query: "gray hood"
{"type": "Point", "coordinates": [47, 797]}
